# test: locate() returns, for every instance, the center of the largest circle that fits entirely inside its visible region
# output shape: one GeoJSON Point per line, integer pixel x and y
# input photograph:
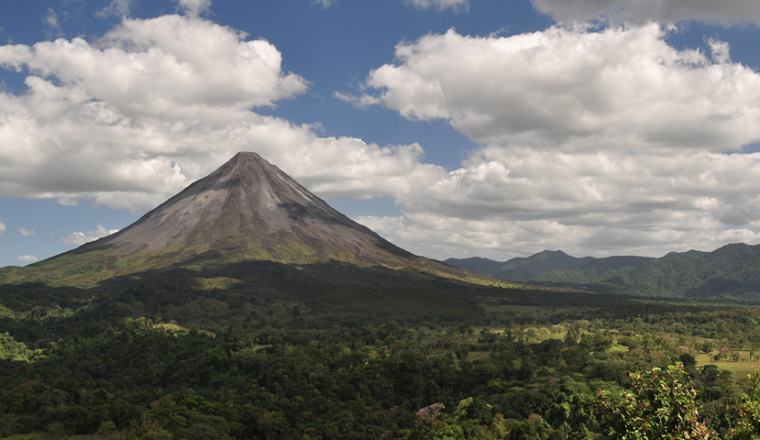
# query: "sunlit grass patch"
{"type": "Point", "coordinates": [215, 283]}
{"type": "Point", "coordinates": [618, 349]}
{"type": "Point", "coordinates": [739, 368]}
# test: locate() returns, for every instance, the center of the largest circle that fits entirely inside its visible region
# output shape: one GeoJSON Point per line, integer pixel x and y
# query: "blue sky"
{"type": "Point", "coordinates": [451, 127]}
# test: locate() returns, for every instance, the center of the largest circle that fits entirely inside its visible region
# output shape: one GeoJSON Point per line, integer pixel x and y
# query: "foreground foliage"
{"type": "Point", "coordinates": [749, 410]}
{"type": "Point", "coordinates": [661, 404]}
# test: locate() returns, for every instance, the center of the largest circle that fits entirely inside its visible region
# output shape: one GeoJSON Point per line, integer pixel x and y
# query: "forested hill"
{"type": "Point", "coordinates": [732, 271]}
{"type": "Point", "coordinates": [527, 269]}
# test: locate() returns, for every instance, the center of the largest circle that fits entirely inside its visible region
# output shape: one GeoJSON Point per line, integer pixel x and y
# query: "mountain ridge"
{"type": "Point", "coordinates": [521, 269]}
{"type": "Point", "coordinates": [731, 271]}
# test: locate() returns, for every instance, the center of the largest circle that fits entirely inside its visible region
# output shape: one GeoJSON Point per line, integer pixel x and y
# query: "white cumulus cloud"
{"type": "Point", "coordinates": [2, 228]}
{"type": "Point", "coordinates": [644, 11]}
{"type": "Point", "coordinates": [80, 238]}
{"type": "Point", "coordinates": [26, 232]}
{"type": "Point", "coordinates": [617, 89]}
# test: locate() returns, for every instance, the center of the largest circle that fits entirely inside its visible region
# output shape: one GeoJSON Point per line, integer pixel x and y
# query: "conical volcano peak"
{"type": "Point", "coordinates": [245, 163]}
{"type": "Point", "coordinates": [244, 156]}
{"type": "Point", "coordinates": [250, 207]}
{"type": "Point", "coordinates": [247, 157]}
{"type": "Point", "coordinates": [247, 176]}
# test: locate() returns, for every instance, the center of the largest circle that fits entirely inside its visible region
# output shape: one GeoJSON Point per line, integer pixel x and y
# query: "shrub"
{"type": "Point", "coordinates": [661, 405]}
{"type": "Point", "coordinates": [749, 410]}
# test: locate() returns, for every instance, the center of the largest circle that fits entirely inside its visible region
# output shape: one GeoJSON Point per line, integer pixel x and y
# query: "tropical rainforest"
{"type": "Point", "coordinates": [173, 360]}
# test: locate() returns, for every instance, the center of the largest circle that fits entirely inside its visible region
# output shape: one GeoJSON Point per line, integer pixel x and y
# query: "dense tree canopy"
{"type": "Point", "coordinates": [73, 364]}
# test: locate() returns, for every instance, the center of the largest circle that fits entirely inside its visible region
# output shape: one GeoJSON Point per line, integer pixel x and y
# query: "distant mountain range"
{"type": "Point", "coordinates": [731, 272]}
{"type": "Point", "coordinates": [530, 268]}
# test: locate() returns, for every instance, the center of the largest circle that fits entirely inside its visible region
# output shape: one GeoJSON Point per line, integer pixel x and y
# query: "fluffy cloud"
{"type": "Point", "coordinates": [518, 201]}
{"type": "Point", "coordinates": [2, 228]}
{"type": "Point", "coordinates": [154, 67]}
{"type": "Point", "coordinates": [623, 89]}
{"type": "Point", "coordinates": [601, 188]}
{"type": "Point", "coordinates": [644, 11]}
{"type": "Point", "coordinates": [27, 258]}
{"type": "Point", "coordinates": [26, 232]}
{"type": "Point", "coordinates": [441, 5]}
{"type": "Point", "coordinates": [134, 117]}
{"type": "Point", "coordinates": [80, 238]}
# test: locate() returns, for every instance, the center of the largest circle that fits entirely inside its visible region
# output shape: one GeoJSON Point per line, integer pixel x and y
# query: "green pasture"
{"type": "Point", "coordinates": [740, 368]}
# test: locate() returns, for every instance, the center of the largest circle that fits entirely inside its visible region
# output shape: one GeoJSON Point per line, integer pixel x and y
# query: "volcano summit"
{"type": "Point", "coordinates": [247, 210]}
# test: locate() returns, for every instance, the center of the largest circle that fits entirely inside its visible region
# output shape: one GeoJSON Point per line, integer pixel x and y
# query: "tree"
{"type": "Point", "coordinates": [749, 410]}
{"type": "Point", "coordinates": [660, 405]}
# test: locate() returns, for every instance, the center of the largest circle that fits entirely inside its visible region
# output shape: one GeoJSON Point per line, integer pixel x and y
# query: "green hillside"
{"type": "Point", "coordinates": [521, 269]}
{"type": "Point", "coordinates": [731, 272]}
{"type": "Point", "coordinates": [550, 266]}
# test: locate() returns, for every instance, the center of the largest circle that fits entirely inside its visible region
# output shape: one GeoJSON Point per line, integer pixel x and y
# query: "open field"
{"type": "Point", "coordinates": [740, 368]}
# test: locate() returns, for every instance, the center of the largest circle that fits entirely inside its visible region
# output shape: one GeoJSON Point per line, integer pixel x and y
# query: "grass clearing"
{"type": "Point", "coordinates": [739, 368]}
{"type": "Point", "coordinates": [618, 349]}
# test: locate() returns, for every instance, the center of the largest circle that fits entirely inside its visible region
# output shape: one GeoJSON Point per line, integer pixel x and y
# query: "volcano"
{"type": "Point", "coordinates": [247, 210]}
{"type": "Point", "coordinates": [250, 206]}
